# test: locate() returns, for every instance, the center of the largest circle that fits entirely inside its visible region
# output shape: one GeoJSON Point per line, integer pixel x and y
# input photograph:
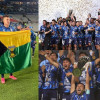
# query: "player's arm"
{"type": "Point", "coordinates": [51, 61]}
{"type": "Point", "coordinates": [48, 31]}
{"type": "Point", "coordinates": [72, 84]}
{"type": "Point", "coordinates": [61, 52]}
{"type": "Point", "coordinates": [97, 61]}
{"type": "Point", "coordinates": [43, 70]}
{"type": "Point", "coordinates": [71, 56]}
{"type": "Point", "coordinates": [87, 86]}
{"type": "Point", "coordinates": [91, 29]}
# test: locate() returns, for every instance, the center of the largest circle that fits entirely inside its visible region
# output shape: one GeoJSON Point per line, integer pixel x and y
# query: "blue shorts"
{"type": "Point", "coordinates": [97, 40]}
{"type": "Point", "coordinates": [65, 41]}
{"type": "Point", "coordinates": [54, 41]}
{"type": "Point", "coordinates": [80, 41]}
{"type": "Point", "coordinates": [50, 94]}
{"type": "Point", "coordinates": [88, 40]}
{"type": "Point", "coordinates": [74, 41]}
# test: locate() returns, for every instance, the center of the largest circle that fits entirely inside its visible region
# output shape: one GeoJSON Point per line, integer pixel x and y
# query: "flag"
{"type": "Point", "coordinates": [17, 56]}
{"type": "Point", "coordinates": [3, 48]}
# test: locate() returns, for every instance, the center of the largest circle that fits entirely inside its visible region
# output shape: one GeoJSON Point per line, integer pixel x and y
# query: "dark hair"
{"type": "Point", "coordinates": [54, 53]}
{"type": "Point", "coordinates": [4, 17]}
{"type": "Point", "coordinates": [47, 23]}
{"type": "Point", "coordinates": [81, 83]}
{"type": "Point", "coordinates": [83, 53]}
{"type": "Point", "coordinates": [67, 59]}
{"type": "Point", "coordinates": [54, 20]}
{"type": "Point", "coordinates": [61, 22]}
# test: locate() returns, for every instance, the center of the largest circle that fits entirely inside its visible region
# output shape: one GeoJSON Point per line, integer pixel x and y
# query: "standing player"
{"type": "Point", "coordinates": [42, 33]}
{"type": "Point", "coordinates": [97, 35]}
{"type": "Point", "coordinates": [89, 29]}
{"type": "Point", "coordinates": [74, 32]}
{"type": "Point", "coordinates": [66, 37]}
{"type": "Point", "coordinates": [54, 37]}
{"type": "Point", "coordinates": [7, 28]}
{"type": "Point", "coordinates": [80, 35]}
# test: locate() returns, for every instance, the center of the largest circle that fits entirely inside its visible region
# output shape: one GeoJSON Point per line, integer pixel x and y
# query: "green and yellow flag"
{"type": "Point", "coordinates": [17, 56]}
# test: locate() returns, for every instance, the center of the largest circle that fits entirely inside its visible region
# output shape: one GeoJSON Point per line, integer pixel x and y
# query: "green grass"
{"type": "Point", "coordinates": [26, 87]}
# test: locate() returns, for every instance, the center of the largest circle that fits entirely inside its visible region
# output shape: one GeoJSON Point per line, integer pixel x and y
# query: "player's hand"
{"type": "Point", "coordinates": [42, 52]}
{"type": "Point", "coordinates": [75, 65]}
{"type": "Point", "coordinates": [68, 74]}
{"type": "Point", "coordinates": [43, 68]}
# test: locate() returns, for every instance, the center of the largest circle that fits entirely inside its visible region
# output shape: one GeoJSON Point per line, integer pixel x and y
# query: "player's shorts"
{"type": "Point", "coordinates": [88, 40]}
{"type": "Point", "coordinates": [50, 94]}
{"type": "Point", "coordinates": [79, 41]}
{"type": "Point", "coordinates": [74, 41]}
{"type": "Point", "coordinates": [65, 42]}
{"type": "Point", "coordinates": [54, 41]}
{"type": "Point", "coordinates": [97, 40]}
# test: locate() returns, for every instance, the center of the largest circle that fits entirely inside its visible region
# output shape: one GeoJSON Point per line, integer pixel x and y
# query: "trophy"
{"type": "Point", "coordinates": [82, 64]}
{"type": "Point", "coordinates": [11, 48]}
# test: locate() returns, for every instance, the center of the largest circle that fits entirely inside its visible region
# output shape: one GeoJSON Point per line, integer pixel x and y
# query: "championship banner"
{"type": "Point", "coordinates": [15, 51]}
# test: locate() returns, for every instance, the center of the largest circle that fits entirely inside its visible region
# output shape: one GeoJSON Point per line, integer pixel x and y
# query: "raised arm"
{"type": "Point", "coordinates": [87, 86]}
{"type": "Point", "coordinates": [72, 84]}
{"type": "Point", "coordinates": [51, 61]}
{"type": "Point", "coordinates": [97, 60]}
{"type": "Point", "coordinates": [71, 56]}
{"type": "Point", "coordinates": [61, 52]}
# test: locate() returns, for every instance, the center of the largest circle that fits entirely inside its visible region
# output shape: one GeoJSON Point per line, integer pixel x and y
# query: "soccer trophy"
{"type": "Point", "coordinates": [11, 48]}
{"type": "Point", "coordinates": [82, 64]}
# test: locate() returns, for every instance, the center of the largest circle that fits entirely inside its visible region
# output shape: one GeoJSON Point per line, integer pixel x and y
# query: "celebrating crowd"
{"type": "Point", "coordinates": [67, 33]}
{"type": "Point", "coordinates": [69, 75]}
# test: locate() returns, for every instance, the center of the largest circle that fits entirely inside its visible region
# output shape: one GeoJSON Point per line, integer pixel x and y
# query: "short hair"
{"type": "Point", "coordinates": [81, 83]}
{"type": "Point", "coordinates": [54, 53]}
{"type": "Point", "coordinates": [47, 23]}
{"type": "Point", "coordinates": [4, 17]}
{"type": "Point", "coordinates": [83, 53]}
{"type": "Point", "coordinates": [67, 59]}
{"type": "Point", "coordinates": [54, 20]}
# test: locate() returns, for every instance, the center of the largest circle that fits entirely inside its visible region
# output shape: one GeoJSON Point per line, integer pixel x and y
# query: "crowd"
{"type": "Point", "coordinates": [69, 75]}
{"type": "Point", "coordinates": [68, 33]}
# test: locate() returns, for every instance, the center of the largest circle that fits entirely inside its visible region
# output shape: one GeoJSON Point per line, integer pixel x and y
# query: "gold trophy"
{"type": "Point", "coordinates": [11, 48]}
